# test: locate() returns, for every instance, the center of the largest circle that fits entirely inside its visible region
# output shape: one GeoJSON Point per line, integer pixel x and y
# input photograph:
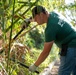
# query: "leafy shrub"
{"type": "Point", "coordinates": [37, 37]}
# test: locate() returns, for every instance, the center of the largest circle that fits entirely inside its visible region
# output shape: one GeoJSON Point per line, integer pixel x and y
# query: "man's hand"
{"type": "Point", "coordinates": [26, 22]}
{"type": "Point", "coordinates": [32, 68]}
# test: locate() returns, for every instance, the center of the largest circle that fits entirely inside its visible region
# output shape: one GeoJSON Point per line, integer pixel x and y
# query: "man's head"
{"type": "Point", "coordinates": [39, 13]}
{"type": "Point", "coordinates": [37, 10]}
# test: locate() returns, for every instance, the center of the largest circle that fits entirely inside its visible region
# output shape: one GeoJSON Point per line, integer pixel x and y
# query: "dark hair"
{"type": "Point", "coordinates": [37, 10]}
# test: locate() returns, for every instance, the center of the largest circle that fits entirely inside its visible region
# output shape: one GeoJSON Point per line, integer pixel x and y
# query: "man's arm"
{"type": "Point", "coordinates": [44, 53]}
{"type": "Point", "coordinates": [42, 57]}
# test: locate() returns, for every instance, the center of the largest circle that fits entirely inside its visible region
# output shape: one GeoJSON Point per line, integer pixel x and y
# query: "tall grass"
{"type": "Point", "coordinates": [12, 23]}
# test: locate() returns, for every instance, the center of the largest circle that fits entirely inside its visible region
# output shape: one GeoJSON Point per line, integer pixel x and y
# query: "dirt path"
{"type": "Point", "coordinates": [52, 69]}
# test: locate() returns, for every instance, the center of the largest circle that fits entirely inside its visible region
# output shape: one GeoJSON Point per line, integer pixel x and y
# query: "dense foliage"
{"type": "Point", "coordinates": [28, 45]}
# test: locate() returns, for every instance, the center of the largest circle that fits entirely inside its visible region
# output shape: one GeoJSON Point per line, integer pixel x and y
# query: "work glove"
{"type": "Point", "coordinates": [32, 68]}
{"type": "Point", "coordinates": [26, 22]}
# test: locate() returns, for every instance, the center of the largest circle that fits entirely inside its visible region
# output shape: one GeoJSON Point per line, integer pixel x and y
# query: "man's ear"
{"type": "Point", "coordinates": [41, 14]}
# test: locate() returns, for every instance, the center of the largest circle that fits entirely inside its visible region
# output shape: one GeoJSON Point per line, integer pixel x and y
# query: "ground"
{"type": "Point", "coordinates": [52, 69]}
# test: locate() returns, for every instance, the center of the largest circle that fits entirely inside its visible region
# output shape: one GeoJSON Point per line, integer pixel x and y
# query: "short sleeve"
{"type": "Point", "coordinates": [50, 35]}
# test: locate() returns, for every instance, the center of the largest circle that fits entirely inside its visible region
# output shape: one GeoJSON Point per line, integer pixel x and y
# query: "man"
{"type": "Point", "coordinates": [62, 33]}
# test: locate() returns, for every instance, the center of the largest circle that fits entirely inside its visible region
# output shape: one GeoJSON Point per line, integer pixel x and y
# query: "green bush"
{"type": "Point", "coordinates": [37, 37]}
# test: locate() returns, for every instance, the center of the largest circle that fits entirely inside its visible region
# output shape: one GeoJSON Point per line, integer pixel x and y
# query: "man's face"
{"type": "Point", "coordinates": [39, 18]}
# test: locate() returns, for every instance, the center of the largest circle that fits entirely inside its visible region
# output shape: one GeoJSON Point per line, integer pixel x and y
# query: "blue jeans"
{"type": "Point", "coordinates": [68, 63]}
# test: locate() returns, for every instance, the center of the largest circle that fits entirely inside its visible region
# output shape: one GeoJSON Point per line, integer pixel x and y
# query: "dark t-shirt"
{"type": "Point", "coordinates": [60, 30]}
